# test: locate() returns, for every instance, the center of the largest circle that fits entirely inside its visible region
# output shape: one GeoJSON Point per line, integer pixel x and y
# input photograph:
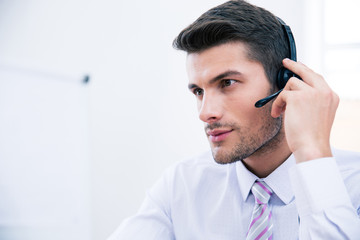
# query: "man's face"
{"type": "Point", "coordinates": [226, 85]}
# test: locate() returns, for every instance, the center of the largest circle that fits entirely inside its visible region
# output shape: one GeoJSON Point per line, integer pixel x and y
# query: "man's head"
{"type": "Point", "coordinates": [234, 52]}
{"type": "Point", "coordinates": [238, 20]}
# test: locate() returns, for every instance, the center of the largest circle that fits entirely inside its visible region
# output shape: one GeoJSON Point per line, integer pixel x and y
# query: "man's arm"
{"type": "Point", "coordinates": [323, 204]}
{"type": "Point", "coordinates": [153, 221]}
{"type": "Point", "coordinates": [322, 200]}
{"type": "Point", "coordinates": [309, 108]}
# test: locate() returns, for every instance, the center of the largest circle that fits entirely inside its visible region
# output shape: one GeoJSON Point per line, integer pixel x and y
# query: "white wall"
{"type": "Point", "coordinates": [44, 157]}
{"type": "Point", "coordinates": [141, 116]}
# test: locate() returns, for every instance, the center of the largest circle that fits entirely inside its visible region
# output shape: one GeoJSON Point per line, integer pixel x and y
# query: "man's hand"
{"type": "Point", "coordinates": [309, 108]}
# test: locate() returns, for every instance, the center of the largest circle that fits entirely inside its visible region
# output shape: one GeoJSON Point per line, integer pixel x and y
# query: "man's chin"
{"type": "Point", "coordinates": [222, 156]}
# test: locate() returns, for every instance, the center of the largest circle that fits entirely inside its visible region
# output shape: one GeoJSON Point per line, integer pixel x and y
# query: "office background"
{"type": "Point", "coordinates": [76, 157]}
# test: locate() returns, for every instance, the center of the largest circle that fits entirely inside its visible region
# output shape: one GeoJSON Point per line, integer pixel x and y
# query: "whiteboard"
{"type": "Point", "coordinates": [44, 160]}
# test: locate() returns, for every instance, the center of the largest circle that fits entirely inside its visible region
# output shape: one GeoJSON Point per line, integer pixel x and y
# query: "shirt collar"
{"type": "Point", "coordinates": [245, 178]}
{"type": "Point", "coordinates": [278, 180]}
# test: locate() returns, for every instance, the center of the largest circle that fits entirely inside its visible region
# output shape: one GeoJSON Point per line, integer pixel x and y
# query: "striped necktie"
{"type": "Point", "coordinates": [261, 222]}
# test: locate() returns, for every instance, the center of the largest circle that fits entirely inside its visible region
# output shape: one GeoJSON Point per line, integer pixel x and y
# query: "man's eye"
{"type": "Point", "coordinates": [198, 91]}
{"type": "Point", "coordinates": [227, 82]}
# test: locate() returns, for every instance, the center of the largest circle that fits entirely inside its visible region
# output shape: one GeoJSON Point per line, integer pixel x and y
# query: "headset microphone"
{"type": "Point", "coordinates": [283, 74]}
{"type": "Point", "coordinates": [264, 101]}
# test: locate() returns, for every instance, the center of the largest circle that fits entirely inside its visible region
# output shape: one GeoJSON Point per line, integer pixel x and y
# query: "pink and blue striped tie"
{"type": "Point", "coordinates": [261, 223]}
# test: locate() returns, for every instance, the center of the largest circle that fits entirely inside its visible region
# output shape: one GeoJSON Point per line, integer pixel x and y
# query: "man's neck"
{"type": "Point", "coordinates": [266, 159]}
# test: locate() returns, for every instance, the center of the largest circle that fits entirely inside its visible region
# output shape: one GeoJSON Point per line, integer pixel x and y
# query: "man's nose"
{"type": "Point", "coordinates": [210, 109]}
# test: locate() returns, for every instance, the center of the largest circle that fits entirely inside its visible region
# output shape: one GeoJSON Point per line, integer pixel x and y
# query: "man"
{"type": "Point", "coordinates": [271, 173]}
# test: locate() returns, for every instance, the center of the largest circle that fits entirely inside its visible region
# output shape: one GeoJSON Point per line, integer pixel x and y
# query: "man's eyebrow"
{"type": "Point", "coordinates": [192, 86]}
{"type": "Point", "coordinates": [224, 75]}
{"type": "Point", "coordinates": [217, 78]}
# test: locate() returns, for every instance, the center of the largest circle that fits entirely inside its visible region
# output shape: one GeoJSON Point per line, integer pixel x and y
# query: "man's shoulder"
{"type": "Point", "coordinates": [347, 159]}
{"type": "Point", "coordinates": [197, 167]}
{"type": "Point", "coordinates": [349, 165]}
{"type": "Point", "coordinates": [198, 162]}
{"type": "Point", "coordinates": [200, 159]}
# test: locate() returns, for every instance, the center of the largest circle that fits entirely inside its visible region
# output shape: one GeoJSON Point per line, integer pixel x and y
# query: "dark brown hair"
{"type": "Point", "coordinates": [238, 20]}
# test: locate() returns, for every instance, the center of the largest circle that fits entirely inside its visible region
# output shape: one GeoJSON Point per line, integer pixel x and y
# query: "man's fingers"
{"type": "Point", "coordinates": [296, 84]}
{"type": "Point", "coordinates": [308, 76]}
{"type": "Point", "coordinates": [293, 85]}
{"type": "Point", "coordinates": [296, 67]}
{"type": "Point", "coordinates": [279, 104]}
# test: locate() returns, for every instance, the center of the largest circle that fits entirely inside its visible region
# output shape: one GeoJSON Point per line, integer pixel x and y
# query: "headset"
{"type": "Point", "coordinates": [283, 74]}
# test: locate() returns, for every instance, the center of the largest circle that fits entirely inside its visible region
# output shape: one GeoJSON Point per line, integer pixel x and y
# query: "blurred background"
{"type": "Point", "coordinates": [94, 103]}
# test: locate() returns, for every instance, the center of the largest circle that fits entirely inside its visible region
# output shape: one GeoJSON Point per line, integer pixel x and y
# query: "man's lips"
{"type": "Point", "coordinates": [218, 135]}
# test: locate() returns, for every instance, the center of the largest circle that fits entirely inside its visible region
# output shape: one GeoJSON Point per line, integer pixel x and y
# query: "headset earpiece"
{"type": "Point", "coordinates": [283, 77]}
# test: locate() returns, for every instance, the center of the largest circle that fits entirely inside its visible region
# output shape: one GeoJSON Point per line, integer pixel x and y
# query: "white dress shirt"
{"type": "Point", "coordinates": [198, 199]}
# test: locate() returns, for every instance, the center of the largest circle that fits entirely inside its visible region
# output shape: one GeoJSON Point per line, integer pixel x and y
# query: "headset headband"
{"type": "Point", "coordinates": [290, 39]}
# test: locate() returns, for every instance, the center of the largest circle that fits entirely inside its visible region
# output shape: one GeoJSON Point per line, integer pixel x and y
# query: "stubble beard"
{"type": "Point", "coordinates": [265, 140]}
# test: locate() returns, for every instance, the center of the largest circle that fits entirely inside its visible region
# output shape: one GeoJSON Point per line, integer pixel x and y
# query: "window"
{"type": "Point", "coordinates": [342, 47]}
